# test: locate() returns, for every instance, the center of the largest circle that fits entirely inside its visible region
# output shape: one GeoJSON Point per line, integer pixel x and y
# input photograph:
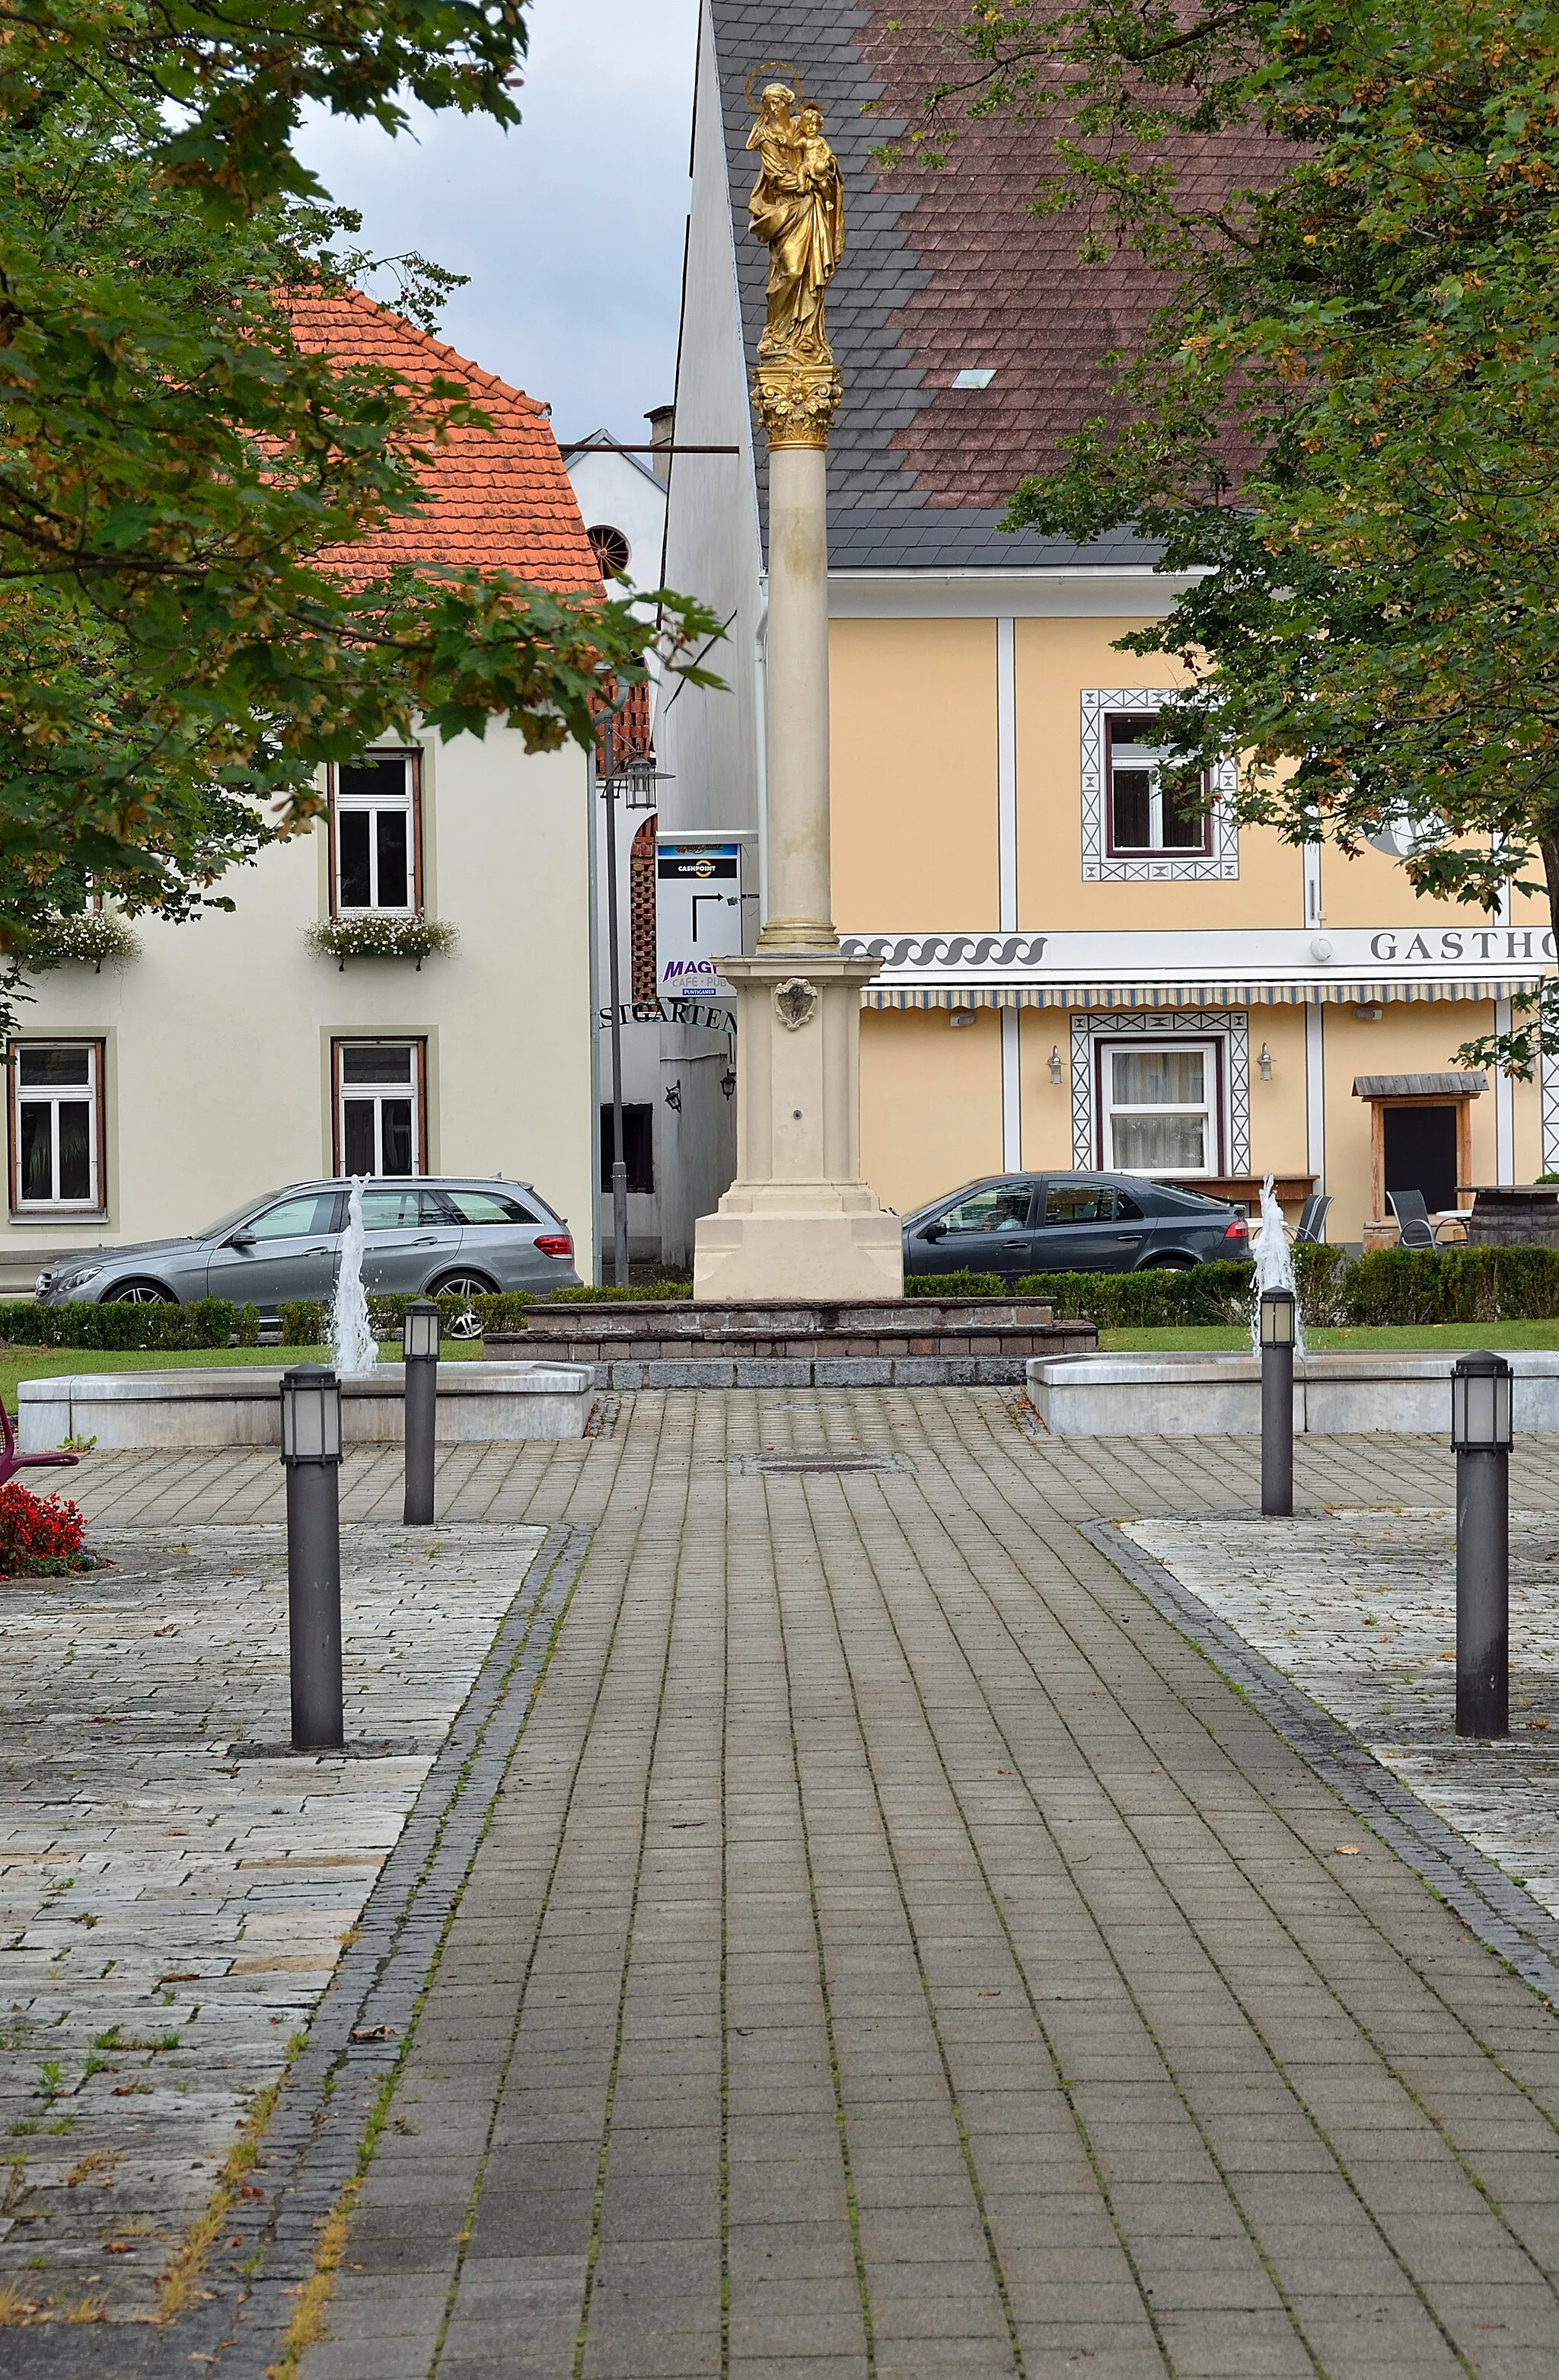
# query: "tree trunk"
{"type": "Point", "coordinates": [1549, 846]}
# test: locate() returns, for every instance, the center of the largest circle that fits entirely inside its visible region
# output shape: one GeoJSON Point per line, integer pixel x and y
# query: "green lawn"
{"type": "Point", "coordinates": [47, 1363]}
{"type": "Point", "coordinates": [1500, 1336]}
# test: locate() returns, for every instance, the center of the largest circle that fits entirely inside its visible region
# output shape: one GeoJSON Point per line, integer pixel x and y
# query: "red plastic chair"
{"type": "Point", "coordinates": [11, 1461]}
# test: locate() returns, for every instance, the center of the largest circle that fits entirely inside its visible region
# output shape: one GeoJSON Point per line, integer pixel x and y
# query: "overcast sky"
{"type": "Point", "coordinates": [570, 226]}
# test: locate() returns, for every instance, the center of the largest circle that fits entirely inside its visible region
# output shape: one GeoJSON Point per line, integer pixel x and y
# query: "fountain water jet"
{"type": "Point", "coordinates": [1274, 1269]}
{"type": "Point", "coordinates": [350, 1336]}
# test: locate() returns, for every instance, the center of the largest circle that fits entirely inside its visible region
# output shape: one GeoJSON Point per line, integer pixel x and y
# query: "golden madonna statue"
{"type": "Point", "coordinates": [797, 209]}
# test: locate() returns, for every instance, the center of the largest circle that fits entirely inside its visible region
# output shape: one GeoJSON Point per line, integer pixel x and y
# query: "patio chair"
{"type": "Point", "coordinates": [11, 1461]}
{"type": "Point", "coordinates": [1414, 1229]}
{"type": "Point", "coordinates": [1311, 1225]}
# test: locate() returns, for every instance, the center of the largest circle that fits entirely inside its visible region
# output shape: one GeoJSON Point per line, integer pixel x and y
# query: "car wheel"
{"type": "Point", "coordinates": [137, 1293]}
{"type": "Point", "coordinates": [466, 1285]}
{"type": "Point", "coordinates": [1175, 1262]}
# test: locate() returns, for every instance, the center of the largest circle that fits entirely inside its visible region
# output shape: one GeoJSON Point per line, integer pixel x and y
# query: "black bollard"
{"type": "Point", "coordinates": [1278, 1402]}
{"type": "Point", "coordinates": [1481, 1433]}
{"type": "Point", "coordinates": [311, 1451]}
{"type": "Point", "coordinates": [419, 1347]}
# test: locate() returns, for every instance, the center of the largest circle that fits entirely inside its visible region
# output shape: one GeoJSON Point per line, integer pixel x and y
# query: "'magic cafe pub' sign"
{"type": "Point", "coordinates": [697, 916]}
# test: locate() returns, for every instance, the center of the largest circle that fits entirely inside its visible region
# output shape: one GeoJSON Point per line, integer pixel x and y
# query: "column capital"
{"type": "Point", "coordinates": [796, 401]}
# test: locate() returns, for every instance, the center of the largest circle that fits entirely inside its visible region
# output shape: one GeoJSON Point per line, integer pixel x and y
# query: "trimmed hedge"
{"type": "Point", "coordinates": [1389, 1286]}
{"type": "Point", "coordinates": [955, 1284]}
{"type": "Point", "coordinates": [1455, 1284]}
{"type": "Point", "coordinates": [303, 1318]}
{"type": "Point", "coordinates": [608, 1293]}
{"type": "Point", "coordinates": [124, 1327]}
{"type": "Point", "coordinates": [1209, 1294]}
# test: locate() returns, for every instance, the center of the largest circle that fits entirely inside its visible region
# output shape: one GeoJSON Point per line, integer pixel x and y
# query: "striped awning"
{"type": "Point", "coordinates": [1291, 993]}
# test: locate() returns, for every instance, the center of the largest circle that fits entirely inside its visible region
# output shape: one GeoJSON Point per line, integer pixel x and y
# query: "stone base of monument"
{"type": "Point", "coordinates": [764, 1251]}
{"type": "Point", "coordinates": [798, 1221]}
{"type": "Point", "coordinates": [238, 1406]}
{"type": "Point", "coordinates": [802, 1342]}
{"type": "Point", "coordinates": [1218, 1396]}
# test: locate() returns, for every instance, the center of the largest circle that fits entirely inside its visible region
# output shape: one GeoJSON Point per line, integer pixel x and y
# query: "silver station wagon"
{"type": "Point", "coordinates": [454, 1234]}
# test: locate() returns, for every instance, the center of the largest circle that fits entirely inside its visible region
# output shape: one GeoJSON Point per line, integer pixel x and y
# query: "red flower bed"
{"type": "Point", "coordinates": [40, 1536]}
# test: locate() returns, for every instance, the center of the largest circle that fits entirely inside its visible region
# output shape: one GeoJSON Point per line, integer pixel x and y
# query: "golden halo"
{"type": "Point", "coordinates": [769, 66]}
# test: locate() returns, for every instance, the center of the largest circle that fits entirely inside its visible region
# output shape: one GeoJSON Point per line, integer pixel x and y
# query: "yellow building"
{"type": "Point", "coordinates": [1072, 975]}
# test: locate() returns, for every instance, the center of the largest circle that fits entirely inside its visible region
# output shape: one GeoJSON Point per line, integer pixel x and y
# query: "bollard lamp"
{"type": "Point", "coordinates": [419, 1332]}
{"type": "Point", "coordinates": [1481, 1404]}
{"type": "Point", "coordinates": [311, 1415]}
{"type": "Point", "coordinates": [1278, 1317]}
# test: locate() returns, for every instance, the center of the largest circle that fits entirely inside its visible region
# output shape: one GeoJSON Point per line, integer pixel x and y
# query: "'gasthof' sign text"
{"type": "Point", "coordinates": [1503, 944]}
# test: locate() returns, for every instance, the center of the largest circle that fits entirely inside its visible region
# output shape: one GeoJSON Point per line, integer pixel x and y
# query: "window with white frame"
{"type": "Point", "coordinates": [1160, 1105]}
{"type": "Point", "coordinates": [56, 1127]}
{"type": "Point", "coordinates": [375, 832]}
{"type": "Point", "coordinates": [379, 1097]}
{"type": "Point", "coordinates": [1145, 815]}
{"type": "Point", "coordinates": [1133, 831]}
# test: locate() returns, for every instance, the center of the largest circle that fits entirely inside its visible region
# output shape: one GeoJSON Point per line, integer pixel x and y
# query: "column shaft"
{"type": "Point", "coordinates": [799, 903]}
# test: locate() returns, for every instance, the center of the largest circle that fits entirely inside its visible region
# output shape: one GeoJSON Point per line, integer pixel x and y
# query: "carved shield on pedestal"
{"type": "Point", "coordinates": [795, 1001]}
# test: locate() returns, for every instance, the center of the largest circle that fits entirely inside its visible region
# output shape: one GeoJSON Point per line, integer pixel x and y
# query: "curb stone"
{"type": "Point", "coordinates": [1504, 1918]}
{"type": "Point", "coordinates": [355, 2038]}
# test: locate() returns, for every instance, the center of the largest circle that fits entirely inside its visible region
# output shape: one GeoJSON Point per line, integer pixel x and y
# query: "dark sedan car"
{"type": "Point", "coordinates": [1017, 1223]}
{"type": "Point", "coordinates": [459, 1234]}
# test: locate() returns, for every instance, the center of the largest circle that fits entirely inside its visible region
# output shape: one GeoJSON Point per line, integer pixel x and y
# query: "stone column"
{"type": "Point", "coordinates": [797, 702]}
{"type": "Point", "coordinates": [798, 1221]}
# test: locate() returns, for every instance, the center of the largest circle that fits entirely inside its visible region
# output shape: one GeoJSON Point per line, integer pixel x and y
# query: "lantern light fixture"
{"type": "Point", "coordinates": [419, 1332]}
{"type": "Point", "coordinates": [1277, 1316]}
{"type": "Point", "coordinates": [1481, 1404]}
{"type": "Point", "coordinates": [1056, 1062]}
{"type": "Point", "coordinates": [1264, 1061]}
{"type": "Point", "coordinates": [311, 1415]}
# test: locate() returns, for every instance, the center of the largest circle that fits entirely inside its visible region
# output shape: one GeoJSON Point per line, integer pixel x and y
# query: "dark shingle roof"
{"type": "Point", "coordinates": [941, 271]}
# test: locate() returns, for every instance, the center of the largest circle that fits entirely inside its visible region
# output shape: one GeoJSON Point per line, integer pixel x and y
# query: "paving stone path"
{"type": "Point", "coordinates": [170, 1914]}
{"type": "Point", "coordinates": [897, 1951]}
{"type": "Point", "coordinates": [1358, 1609]}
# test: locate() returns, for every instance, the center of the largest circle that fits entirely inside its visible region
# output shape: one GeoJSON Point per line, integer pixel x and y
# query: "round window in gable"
{"type": "Point", "coordinates": [610, 548]}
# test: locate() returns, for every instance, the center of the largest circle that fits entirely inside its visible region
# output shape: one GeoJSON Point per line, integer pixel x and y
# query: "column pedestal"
{"type": "Point", "coordinates": [798, 1221]}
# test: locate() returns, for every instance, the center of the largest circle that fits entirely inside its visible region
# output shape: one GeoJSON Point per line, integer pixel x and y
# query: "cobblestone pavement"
{"type": "Point", "coordinates": [1358, 1609]}
{"type": "Point", "coordinates": [897, 1951]}
{"type": "Point", "coordinates": [170, 1914]}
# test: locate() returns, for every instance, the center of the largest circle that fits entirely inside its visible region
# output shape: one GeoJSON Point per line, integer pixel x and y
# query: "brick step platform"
{"type": "Point", "coordinates": [926, 1342]}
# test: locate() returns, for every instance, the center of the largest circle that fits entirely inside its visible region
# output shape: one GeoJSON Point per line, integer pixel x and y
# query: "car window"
{"type": "Point", "coordinates": [394, 1211]}
{"type": "Point", "coordinates": [1089, 1202]}
{"type": "Point", "coordinates": [488, 1207]}
{"type": "Point", "coordinates": [1003, 1208]}
{"type": "Point", "coordinates": [294, 1218]}
{"type": "Point", "coordinates": [229, 1222]}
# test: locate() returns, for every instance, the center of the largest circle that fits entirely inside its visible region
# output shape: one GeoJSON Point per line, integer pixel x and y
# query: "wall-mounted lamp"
{"type": "Point", "coordinates": [1056, 1062]}
{"type": "Point", "coordinates": [728, 1083]}
{"type": "Point", "coordinates": [673, 1096]}
{"type": "Point", "coordinates": [960, 1017]}
{"type": "Point", "coordinates": [1369, 1012]}
{"type": "Point", "coordinates": [1265, 1063]}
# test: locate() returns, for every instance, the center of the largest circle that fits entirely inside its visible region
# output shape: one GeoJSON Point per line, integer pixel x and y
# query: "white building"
{"type": "Point", "coordinates": [622, 499]}
{"type": "Point", "coordinates": [232, 1055]}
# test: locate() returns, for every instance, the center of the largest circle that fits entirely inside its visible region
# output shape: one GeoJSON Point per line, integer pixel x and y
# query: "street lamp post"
{"type": "Point", "coordinates": [312, 1453]}
{"type": "Point", "coordinates": [633, 777]}
{"type": "Point", "coordinates": [420, 1350]}
{"type": "Point", "coordinates": [1277, 1332]}
{"type": "Point", "coordinates": [1481, 1432]}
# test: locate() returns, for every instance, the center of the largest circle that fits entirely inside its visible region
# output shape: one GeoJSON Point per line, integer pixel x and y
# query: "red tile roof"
{"type": "Point", "coordinates": [499, 497]}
